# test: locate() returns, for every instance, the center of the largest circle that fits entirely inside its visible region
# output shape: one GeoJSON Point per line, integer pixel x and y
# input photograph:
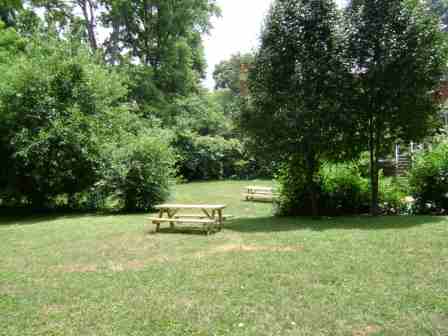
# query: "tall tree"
{"type": "Point", "coordinates": [89, 10]}
{"type": "Point", "coordinates": [440, 8]}
{"type": "Point", "coordinates": [8, 11]}
{"type": "Point", "coordinates": [227, 83]}
{"type": "Point", "coordinates": [162, 34]}
{"type": "Point", "coordinates": [398, 55]}
{"type": "Point", "coordinates": [58, 14]}
{"type": "Point", "coordinates": [80, 16]}
{"type": "Point", "coordinates": [297, 87]}
{"type": "Point", "coordinates": [227, 73]}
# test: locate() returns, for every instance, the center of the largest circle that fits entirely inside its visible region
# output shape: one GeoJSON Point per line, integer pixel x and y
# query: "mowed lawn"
{"type": "Point", "coordinates": [106, 275]}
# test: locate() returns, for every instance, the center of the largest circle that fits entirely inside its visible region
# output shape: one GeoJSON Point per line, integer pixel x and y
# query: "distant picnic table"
{"type": "Point", "coordinates": [253, 193]}
{"type": "Point", "coordinates": [211, 216]}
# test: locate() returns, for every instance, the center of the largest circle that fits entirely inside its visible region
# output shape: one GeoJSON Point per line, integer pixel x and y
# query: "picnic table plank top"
{"type": "Point", "coordinates": [191, 206]}
{"type": "Point", "coordinates": [259, 188]}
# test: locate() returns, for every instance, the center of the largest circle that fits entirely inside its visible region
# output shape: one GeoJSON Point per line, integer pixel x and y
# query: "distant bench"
{"type": "Point", "coordinates": [254, 193]}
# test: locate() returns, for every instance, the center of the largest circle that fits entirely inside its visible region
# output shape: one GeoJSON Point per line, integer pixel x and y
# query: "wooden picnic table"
{"type": "Point", "coordinates": [259, 193]}
{"type": "Point", "coordinates": [258, 188]}
{"type": "Point", "coordinates": [211, 216]}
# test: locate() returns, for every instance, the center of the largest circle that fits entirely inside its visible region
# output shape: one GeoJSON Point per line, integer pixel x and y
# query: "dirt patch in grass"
{"type": "Point", "coordinates": [367, 331]}
{"type": "Point", "coordinates": [249, 248]}
{"type": "Point", "coordinates": [7, 290]}
{"type": "Point", "coordinates": [76, 268]}
{"type": "Point", "coordinates": [439, 321]}
{"type": "Point", "coordinates": [52, 309]}
{"type": "Point", "coordinates": [131, 265]}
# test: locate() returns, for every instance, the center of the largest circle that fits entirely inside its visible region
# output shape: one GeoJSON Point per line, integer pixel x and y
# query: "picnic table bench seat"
{"type": "Point", "coordinates": [253, 193]}
{"type": "Point", "coordinates": [200, 216]}
{"type": "Point", "coordinates": [181, 220]}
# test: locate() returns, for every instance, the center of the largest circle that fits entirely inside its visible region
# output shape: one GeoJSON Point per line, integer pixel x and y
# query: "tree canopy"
{"type": "Point", "coordinates": [398, 56]}
{"type": "Point", "coordinates": [297, 86]}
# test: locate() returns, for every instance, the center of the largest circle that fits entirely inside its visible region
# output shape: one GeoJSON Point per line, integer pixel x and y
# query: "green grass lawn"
{"type": "Point", "coordinates": [106, 275]}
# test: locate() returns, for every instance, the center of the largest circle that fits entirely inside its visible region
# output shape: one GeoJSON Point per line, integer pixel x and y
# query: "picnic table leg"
{"type": "Point", "coordinates": [220, 219]}
{"type": "Point", "coordinates": [158, 223]}
{"type": "Point", "coordinates": [249, 194]}
{"type": "Point", "coordinates": [212, 216]}
{"type": "Point", "coordinates": [171, 214]}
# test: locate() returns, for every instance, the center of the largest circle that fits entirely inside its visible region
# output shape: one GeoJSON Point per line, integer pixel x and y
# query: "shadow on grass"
{"type": "Point", "coordinates": [279, 224]}
{"type": "Point", "coordinates": [25, 216]}
{"type": "Point", "coordinates": [182, 230]}
{"type": "Point", "coordinates": [259, 224]}
{"type": "Point", "coordinates": [29, 219]}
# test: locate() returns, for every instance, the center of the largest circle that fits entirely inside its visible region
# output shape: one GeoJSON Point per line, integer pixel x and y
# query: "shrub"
{"type": "Point", "coordinates": [68, 137]}
{"type": "Point", "coordinates": [51, 97]}
{"type": "Point", "coordinates": [294, 200]}
{"type": "Point", "coordinates": [428, 180]}
{"type": "Point", "coordinates": [137, 172]}
{"type": "Point", "coordinates": [342, 189]}
{"type": "Point", "coordinates": [206, 157]}
{"type": "Point", "coordinates": [392, 194]}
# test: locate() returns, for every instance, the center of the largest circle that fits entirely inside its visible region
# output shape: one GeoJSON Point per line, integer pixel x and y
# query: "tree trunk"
{"type": "Point", "coordinates": [374, 169]}
{"type": "Point", "coordinates": [311, 167]}
{"type": "Point", "coordinates": [88, 11]}
{"type": "Point", "coordinates": [374, 183]}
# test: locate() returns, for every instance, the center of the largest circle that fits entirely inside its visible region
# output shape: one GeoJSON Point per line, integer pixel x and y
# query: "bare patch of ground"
{"type": "Point", "coordinates": [131, 265]}
{"type": "Point", "coordinates": [249, 248]}
{"type": "Point", "coordinates": [7, 290]}
{"type": "Point", "coordinates": [76, 268]}
{"type": "Point", "coordinates": [52, 309]}
{"type": "Point", "coordinates": [367, 331]}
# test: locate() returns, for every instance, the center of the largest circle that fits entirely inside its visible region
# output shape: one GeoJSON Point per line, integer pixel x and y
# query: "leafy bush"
{"type": "Point", "coordinates": [51, 97]}
{"type": "Point", "coordinates": [392, 194]}
{"type": "Point", "coordinates": [429, 180]}
{"type": "Point", "coordinates": [137, 171]}
{"type": "Point", "coordinates": [342, 190]}
{"type": "Point", "coordinates": [206, 157]}
{"type": "Point", "coordinates": [294, 199]}
{"type": "Point", "coordinates": [199, 114]}
{"type": "Point", "coordinates": [68, 137]}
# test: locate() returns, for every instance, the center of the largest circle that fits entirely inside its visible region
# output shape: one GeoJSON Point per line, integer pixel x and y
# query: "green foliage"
{"type": "Point", "coordinates": [10, 43]}
{"type": "Point", "coordinates": [345, 190]}
{"type": "Point", "coordinates": [227, 73]}
{"type": "Point", "coordinates": [50, 96]}
{"type": "Point", "coordinates": [8, 11]}
{"type": "Point", "coordinates": [297, 87]}
{"type": "Point", "coordinates": [197, 113]}
{"type": "Point", "coordinates": [137, 171]}
{"type": "Point", "coordinates": [440, 8]}
{"type": "Point", "coordinates": [399, 56]}
{"type": "Point", "coordinates": [227, 84]}
{"type": "Point", "coordinates": [429, 180]}
{"type": "Point", "coordinates": [165, 35]}
{"type": "Point", "coordinates": [206, 157]}
{"type": "Point", "coordinates": [392, 196]}
{"type": "Point", "coordinates": [342, 190]}
{"type": "Point", "coordinates": [65, 128]}
{"type": "Point", "coordinates": [229, 103]}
